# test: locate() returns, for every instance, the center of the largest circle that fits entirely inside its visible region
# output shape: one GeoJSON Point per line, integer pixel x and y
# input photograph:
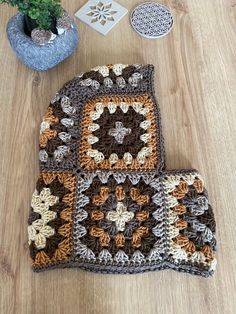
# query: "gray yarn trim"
{"type": "Point", "coordinates": [122, 270]}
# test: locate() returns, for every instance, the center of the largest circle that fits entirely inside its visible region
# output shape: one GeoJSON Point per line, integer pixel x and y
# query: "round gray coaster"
{"type": "Point", "coordinates": [151, 20]}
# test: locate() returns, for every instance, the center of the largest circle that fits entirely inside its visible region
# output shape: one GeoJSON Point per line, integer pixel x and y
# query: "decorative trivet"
{"type": "Point", "coordinates": [101, 15]}
{"type": "Point", "coordinates": [104, 201]}
{"type": "Point", "coordinates": [151, 20]}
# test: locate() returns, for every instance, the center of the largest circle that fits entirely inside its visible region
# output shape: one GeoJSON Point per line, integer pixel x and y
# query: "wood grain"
{"type": "Point", "coordinates": [195, 79]}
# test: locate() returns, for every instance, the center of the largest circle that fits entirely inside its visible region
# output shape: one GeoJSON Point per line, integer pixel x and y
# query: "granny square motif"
{"type": "Point", "coordinates": [110, 127]}
{"type": "Point", "coordinates": [104, 201]}
{"type": "Point", "coordinates": [122, 218]}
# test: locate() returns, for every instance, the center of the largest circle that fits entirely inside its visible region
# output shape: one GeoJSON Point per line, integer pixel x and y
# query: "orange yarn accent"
{"type": "Point", "coordinates": [63, 251]}
{"type": "Point", "coordinates": [102, 197]}
{"type": "Point", "coordinates": [137, 236]}
{"type": "Point", "coordinates": [47, 135]}
{"type": "Point", "coordinates": [198, 184]}
{"type": "Point", "coordinates": [105, 239]}
{"type": "Point", "coordinates": [66, 214]}
{"type": "Point", "coordinates": [120, 239]}
{"type": "Point", "coordinates": [120, 193]}
{"type": "Point", "coordinates": [100, 233]}
{"type": "Point", "coordinates": [181, 224]}
{"type": "Point", "coordinates": [97, 215]}
{"type": "Point", "coordinates": [181, 190]}
{"type": "Point", "coordinates": [49, 117]}
{"type": "Point", "coordinates": [96, 231]}
{"type": "Point", "coordinates": [139, 199]}
{"type": "Point", "coordinates": [41, 259]}
{"type": "Point", "coordinates": [208, 253]}
{"type": "Point", "coordinates": [67, 199]}
{"type": "Point", "coordinates": [88, 163]}
{"type": "Point", "coordinates": [181, 240]}
{"type": "Point", "coordinates": [180, 209]}
{"type": "Point", "coordinates": [68, 180]}
{"type": "Point", "coordinates": [65, 230]}
{"type": "Point", "coordinates": [142, 215]}
{"type": "Point", "coordinates": [190, 248]}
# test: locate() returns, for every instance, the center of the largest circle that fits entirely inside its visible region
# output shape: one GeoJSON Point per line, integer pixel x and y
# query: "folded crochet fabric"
{"type": "Point", "coordinates": [104, 201]}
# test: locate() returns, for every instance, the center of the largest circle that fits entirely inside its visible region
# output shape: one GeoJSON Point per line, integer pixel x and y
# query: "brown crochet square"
{"type": "Point", "coordinates": [118, 217]}
{"type": "Point", "coordinates": [119, 133]}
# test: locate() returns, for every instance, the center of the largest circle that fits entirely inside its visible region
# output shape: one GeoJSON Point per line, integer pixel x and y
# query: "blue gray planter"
{"type": "Point", "coordinates": [40, 58]}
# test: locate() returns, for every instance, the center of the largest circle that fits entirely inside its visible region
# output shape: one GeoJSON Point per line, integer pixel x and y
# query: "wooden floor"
{"type": "Point", "coordinates": [195, 79]}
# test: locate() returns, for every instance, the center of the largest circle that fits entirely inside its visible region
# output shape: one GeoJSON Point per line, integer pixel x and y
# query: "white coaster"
{"type": "Point", "coordinates": [101, 15]}
{"type": "Point", "coordinates": [151, 20]}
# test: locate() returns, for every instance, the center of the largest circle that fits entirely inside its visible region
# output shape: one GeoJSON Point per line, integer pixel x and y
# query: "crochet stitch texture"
{"type": "Point", "coordinates": [104, 201]}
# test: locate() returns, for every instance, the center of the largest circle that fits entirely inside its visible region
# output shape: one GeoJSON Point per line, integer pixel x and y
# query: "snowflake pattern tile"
{"type": "Point", "coordinates": [101, 15]}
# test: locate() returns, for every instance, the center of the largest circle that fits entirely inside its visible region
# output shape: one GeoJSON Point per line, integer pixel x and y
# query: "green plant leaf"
{"type": "Point", "coordinates": [42, 11]}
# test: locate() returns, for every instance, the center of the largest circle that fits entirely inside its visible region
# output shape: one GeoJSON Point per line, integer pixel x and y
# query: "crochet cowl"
{"type": "Point", "coordinates": [104, 201]}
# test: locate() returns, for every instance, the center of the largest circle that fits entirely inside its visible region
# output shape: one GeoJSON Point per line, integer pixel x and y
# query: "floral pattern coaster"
{"type": "Point", "coordinates": [101, 15]}
{"type": "Point", "coordinates": [151, 20]}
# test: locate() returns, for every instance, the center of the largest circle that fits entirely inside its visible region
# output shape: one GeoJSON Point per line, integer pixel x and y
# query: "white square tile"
{"type": "Point", "coordinates": [101, 15]}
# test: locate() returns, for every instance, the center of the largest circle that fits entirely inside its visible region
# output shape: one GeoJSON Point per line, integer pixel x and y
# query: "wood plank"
{"type": "Point", "coordinates": [195, 79]}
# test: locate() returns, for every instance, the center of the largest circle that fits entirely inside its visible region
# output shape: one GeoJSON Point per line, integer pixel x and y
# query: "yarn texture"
{"type": "Point", "coordinates": [104, 200]}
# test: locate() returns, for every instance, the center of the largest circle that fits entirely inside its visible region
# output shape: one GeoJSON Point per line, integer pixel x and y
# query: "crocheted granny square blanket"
{"type": "Point", "coordinates": [104, 201]}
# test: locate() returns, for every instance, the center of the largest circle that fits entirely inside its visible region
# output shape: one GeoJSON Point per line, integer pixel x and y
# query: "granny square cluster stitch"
{"type": "Point", "coordinates": [104, 201]}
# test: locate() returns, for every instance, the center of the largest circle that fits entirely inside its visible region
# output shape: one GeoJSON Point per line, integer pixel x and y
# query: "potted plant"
{"type": "Point", "coordinates": [42, 34]}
